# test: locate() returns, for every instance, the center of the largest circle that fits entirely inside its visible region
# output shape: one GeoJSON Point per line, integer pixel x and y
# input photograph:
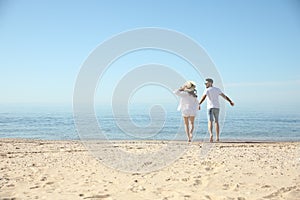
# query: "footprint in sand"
{"type": "Point", "coordinates": [185, 179]}
{"type": "Point", "coordinates": [280, 192]}
{"type": "Point", "coordinates": [99, 196]}
{"type": "Point", "coordinates": [295, 194]}
{"type": "Point", "coordinates": [197, 182]}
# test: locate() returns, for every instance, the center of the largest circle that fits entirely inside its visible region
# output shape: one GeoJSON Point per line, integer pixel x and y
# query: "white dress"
{"type": "Point", "coordinates": [188, 104]}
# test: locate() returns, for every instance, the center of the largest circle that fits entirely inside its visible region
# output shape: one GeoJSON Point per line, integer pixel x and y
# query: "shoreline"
{"type": "Point", "coordinates": [154, 140]}
{"type": "Point", "coordinates": [47, 169]}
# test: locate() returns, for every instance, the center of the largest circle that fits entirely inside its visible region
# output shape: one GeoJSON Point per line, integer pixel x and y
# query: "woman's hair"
{"type": "Point", "coordinates": [193, 93]}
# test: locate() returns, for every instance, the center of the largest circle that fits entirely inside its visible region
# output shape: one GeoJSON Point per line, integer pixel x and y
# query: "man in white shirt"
{"type": "Point", "coordinates": [213, 106]}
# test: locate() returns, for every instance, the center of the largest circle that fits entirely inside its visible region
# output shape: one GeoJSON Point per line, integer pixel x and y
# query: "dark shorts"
{"type": "Point", "coordinates": [213, 114]}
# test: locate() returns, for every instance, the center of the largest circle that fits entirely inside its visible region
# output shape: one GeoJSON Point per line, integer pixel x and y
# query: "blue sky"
{"type": "Point", "coordinates": [255, 45]}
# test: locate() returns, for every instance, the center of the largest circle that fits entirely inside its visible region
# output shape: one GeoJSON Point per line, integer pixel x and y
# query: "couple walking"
{"type": "Point", "coordinates": [189, 106]}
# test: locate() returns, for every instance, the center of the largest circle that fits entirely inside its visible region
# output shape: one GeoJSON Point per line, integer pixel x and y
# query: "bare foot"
{"type": "Point", "coordinates": [217, 140]}
{"type": "Point", "coordinates": [211, 139]}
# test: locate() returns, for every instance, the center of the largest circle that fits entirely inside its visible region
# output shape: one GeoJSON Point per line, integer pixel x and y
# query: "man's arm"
{"type": "Point", "coordinates": [227, 98]}
{"type": "Point", "coordinates": [201, 101]}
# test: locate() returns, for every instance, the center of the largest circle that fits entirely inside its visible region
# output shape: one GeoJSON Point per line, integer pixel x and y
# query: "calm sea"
{"type": "Point", "coordinates": [57, 123]}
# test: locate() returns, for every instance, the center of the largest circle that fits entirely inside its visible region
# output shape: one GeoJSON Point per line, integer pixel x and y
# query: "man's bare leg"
{"type": "Point", "coordinates": [210, 129]}
{"type": "Point", "coordinates": [217, 131]}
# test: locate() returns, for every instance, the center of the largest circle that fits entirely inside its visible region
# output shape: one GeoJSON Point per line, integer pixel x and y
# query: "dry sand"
{"type": "Point", "coordinates": [35, 169]}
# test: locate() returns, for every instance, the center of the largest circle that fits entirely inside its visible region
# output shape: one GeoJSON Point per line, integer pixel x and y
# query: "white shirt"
{"type": "Point", "coordinates": [187, 101]}
{"type": "Point", "coordinates": [212, 94]}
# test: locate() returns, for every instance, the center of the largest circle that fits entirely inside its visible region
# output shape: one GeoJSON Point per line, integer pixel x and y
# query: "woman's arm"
{"type": "Point", "coordinates": [180, 92]}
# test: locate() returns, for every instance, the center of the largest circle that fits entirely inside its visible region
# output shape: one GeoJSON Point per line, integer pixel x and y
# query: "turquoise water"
{"type": "Point", "coordinates": [57, 123]}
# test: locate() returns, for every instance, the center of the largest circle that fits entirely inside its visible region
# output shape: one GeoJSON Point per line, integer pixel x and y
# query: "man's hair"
{"type": "Point", "coordinates": [209, 80]}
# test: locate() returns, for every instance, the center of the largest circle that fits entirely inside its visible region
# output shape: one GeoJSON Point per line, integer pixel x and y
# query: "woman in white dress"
{"type": "Point", "coordinates": [188, 106]}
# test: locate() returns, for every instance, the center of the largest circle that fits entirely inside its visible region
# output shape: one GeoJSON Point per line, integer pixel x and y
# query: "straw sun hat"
{"type": "Point", "coordinates": [190, 86]}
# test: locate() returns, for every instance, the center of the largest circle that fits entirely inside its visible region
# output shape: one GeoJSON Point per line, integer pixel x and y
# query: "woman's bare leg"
{"type": "Point", "coordinates": [192, 120]}
{"type": "Point", "coordinates": [187, 127]}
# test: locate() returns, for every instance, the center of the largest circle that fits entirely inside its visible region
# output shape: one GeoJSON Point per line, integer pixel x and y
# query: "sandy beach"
{"type": "Point", "coordinates": [39, 169]}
